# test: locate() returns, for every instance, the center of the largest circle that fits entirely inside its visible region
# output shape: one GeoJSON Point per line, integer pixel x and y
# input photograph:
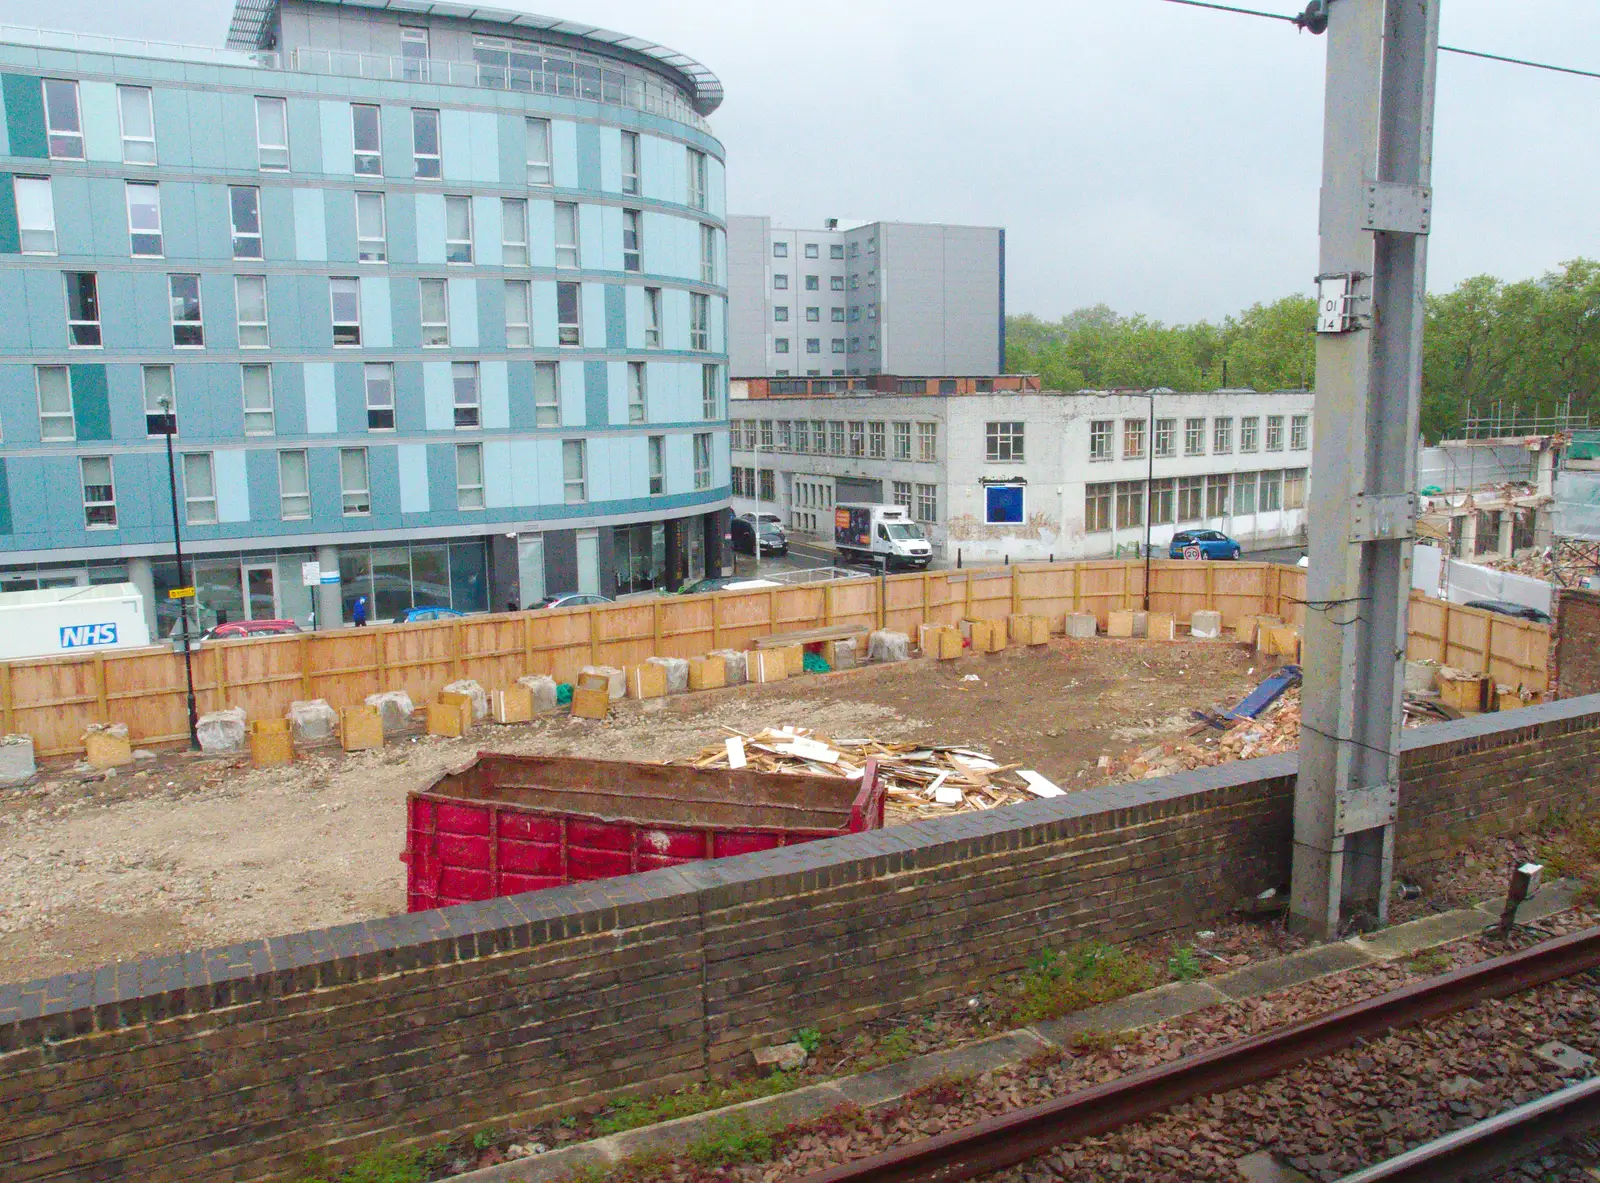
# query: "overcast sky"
{"type": "Point", "coordinates": [1154, 158]}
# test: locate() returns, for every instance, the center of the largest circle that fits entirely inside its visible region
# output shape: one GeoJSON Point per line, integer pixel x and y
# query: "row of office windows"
{"type": "Point", "coordinates": [36, 222]}
{"type": "Point", "coordinates": [780, 250]}
{"type": "Point", "coordinates": [813, 314]}
{"type": "Point", "coordinates": [198, 481]}
{"type": "Point", "coordinates": [84, 328]}
{"type": "Point", "coordinates": [1121, 504]}
{"type": "Point", "coordinates": [836, 283]}
{"type": "Point", "coordinates": [814, 344]}
{"type": "Point", "coordinates": [868, 439]}
{"type": "Point", "coordinates": [58, 419]}
{"type": "Point", "coordinates": [136, 112]}
{"type": "Point", "coordinates": [1102, 436]}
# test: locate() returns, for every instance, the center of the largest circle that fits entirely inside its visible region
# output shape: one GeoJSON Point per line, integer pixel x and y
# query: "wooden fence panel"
{"type": "Point", "coordinates": [54, 700]}
{"type": "Point", "coordinates": [1104, 588]}
{"type": "Point", "coordinates": [625, 634]}
{"type": "Point", "coordinates": [1427, 629]}
{"type": "Point", "coordinates": [1046, 590]}
{"type": "Point", "coordinates": [560, 642]}
{"type": "Point", "coordinates": [903, 607]}
{"type": "Point", "coordinates": [988, 594]}
{"type": "Point", "coordinates": [263, 677]}
{"type": "Point", "coordinates": [1178, 587]}
{"type": "Point", "coordinates": [492, 649]}
{"type": "Point", "coordinates": [855, 601]}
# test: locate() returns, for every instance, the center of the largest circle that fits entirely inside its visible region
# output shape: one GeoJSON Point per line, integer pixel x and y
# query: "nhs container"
{"type": "Point", "coordinates": [65, 621]}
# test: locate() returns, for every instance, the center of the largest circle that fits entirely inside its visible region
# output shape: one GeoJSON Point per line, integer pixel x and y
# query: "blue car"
{"type": "Point", "coordinates": [1202, 544]}
{"type": "Point", "coordinates": [421, 615]}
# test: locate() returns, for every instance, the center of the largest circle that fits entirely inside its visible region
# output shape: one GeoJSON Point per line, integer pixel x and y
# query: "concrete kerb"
{"type": "Point", "coordinates": [886, 1086]}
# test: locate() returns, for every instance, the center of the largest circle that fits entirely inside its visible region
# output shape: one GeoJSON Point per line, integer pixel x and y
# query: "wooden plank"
{"type": "Point", "coordinates": [807, 636]}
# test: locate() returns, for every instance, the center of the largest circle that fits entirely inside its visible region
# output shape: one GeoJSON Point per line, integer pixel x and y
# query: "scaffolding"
{"type": "Point", "coordinates": [1502, 422]}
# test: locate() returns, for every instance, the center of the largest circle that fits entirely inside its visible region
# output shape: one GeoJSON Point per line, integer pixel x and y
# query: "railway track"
{"type": "Point", "coordinates": [1025, 1134]}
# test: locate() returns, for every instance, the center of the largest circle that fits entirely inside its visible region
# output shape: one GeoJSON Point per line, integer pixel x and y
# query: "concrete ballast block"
{"type": "Point", "coordinates": [543, 688]}
{"type": "Point", "coordinates": [1081, 624]}
{"type": "Point", "coordinates": [221, 731]}
{"type": "Point", "coordinates": [677, 669]}
{"type": "Point", "coordinates": [395, 709]}
{"type": "Point", "coordinates": [616, 680]}
{"type": "Point", "coordinates": [1205, 625]}
{"type": "Point", "coordinates": [885, 645]}
{"type": "Point", "coordinates": [16, 760]}
{"type": "Point", "coordinates": [476, 694]}
{"type": "Point", "coordinates": [313, 721]}
{"type": "Point", "coordinates": [733, 665]}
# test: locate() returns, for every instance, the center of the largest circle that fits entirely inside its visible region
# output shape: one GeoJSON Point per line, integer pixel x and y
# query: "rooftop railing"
{"type": "Point", "coordinates": [132, 47]}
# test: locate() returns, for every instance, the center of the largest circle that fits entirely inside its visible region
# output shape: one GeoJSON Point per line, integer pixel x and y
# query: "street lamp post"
{"type": "Point", "coordinates": [169, 427]}
{"type": "Point", "coordinates": [1149, 503]}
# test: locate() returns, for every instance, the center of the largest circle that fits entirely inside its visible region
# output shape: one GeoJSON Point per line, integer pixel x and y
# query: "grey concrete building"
{"type": "Point", "coordinates": [867, 298]}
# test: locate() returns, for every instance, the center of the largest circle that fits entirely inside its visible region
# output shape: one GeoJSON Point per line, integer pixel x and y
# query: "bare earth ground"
{"type": "Point", "coordinates": [186, 852]}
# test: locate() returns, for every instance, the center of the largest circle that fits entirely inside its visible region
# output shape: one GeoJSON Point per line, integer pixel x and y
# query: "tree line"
{"type": "Point", "coordinates": [1528, 344]}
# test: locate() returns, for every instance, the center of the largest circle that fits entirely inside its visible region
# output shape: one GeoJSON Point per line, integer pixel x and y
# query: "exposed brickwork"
{"type": "Point", "coordinates": [1575, 651]}
{"type": "Point", "coordinates": [230, 1063]}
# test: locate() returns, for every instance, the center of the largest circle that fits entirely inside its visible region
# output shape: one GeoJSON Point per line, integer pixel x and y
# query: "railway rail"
{"type": "Point", "coordinates": [1017, 1137]}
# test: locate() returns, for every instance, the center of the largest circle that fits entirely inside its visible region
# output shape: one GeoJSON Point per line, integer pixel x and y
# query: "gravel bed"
{"type": "Point", "coordinates": [1326, 1118]}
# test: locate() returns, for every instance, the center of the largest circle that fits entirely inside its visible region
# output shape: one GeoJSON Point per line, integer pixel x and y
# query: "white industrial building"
{"type": "Point", "coordinates": [1028, 476]}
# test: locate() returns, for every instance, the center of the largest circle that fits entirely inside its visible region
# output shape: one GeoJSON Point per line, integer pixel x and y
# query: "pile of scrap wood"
{"type": "Point", "coordinates": [921, 778]}
{"type": "Point", "coordinates": [1216, 740]}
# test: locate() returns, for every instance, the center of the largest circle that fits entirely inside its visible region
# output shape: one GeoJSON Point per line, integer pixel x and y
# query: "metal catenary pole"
{"type": "Point", "coordinates": [1376, 202]}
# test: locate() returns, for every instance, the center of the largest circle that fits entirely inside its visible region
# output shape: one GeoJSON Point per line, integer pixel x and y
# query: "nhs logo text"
{"type": "Point", "coordinates": [78, 636]}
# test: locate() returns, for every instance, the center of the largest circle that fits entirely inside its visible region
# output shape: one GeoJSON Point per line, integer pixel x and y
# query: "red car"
{"type": "Point", "coordinates": [235, 629]}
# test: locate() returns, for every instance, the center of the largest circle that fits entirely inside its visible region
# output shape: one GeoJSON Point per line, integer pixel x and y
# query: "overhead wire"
{"type": "Point", "coordinates": [1471, 53]}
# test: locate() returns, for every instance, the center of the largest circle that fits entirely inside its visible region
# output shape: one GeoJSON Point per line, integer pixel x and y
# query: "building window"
{"type": "Point", "coordinates": [1097, 507]}
{"type": "Point", "coordinates": [836, 250]}
{"type": "Point", "coordinates": [36, 215]}
{"type": "Point", "coordinates": [546, 394]}
{"type": "Point", "coordinates": [1249, 433]}
{"type": "Point", "coordinates": [1299, 429]}
{"type": "Point", "coordinates": [636, 392]}
{"type": "Point", "coordinates": [1165, 443]}
{"type": "Point", "coordinates": [356, 500]}
{"type": "Point", "coordinates": [1130, 504]}
{"type": "Point", "coordinates": [344, 296]}
{"type": "Point", "coordinates": [414, 65]}
{"type": "Point", "coordinates": [379, 380]}
{"type": "Point", "coordinates": [902, 493]}
{"type": "Point", "coordinates": [630, 163]}
{"type": "Point", "coordinates": [99, 493]}
{"type": "Point", "coordinates": [1217, 496]}
{"type": "Point", "coordinates": [1161, 501]}
{"type": "Point", "coordinates": [1133, 439]}
{"type": "Point", "coordinates": [255, 383]}
{"type": "Point", "coordinates": [83, 309]}
{"type": "Point", "coordinates": [294, 486]}
{"type": "Point", "coordinates": [632, 221]}
{"type": "Point", "coordinates": [566, 234]}
{"type": "Point", "coordinates": [927, 503]}
{"type": "Point", "coordinates": [902, 441]}
{"type": "Point", "coordinates": [811, 250]}
{"type": "Point", "coordinates": [539, 152]}
{"type": "Point", "coordinates": [56, 421]}
{"type": "Point", "coordinates": [710, 394]}
{"type": "Point", "coordinates": [1294, 488]}
{"type": "Point", "coordinates": [574, 483]}
{"type": "Point", "coordinates": [513, 232]}
{"type": "Point", "coordinates": [780, 313]}
{"type": "Point", "coordinates": [63, 125]}
{"type": "Point", "coordinates": [837, 317]}
{"type": "Point", "coordinates": [697, 179]}
{"type": "Point", "coordinates": [433, 301]}
{"type": "Point", "coordinates": [1194, 437]}
{"type": "Point", "coordinates": [702, 460]}
{"type": "Point", "coordinates": [780, 282]}
{"type": "Point", "coordinates": [927, 441]}
{"type": "Point", "coordinates": [652, 318]}
{"type": "Point", "coordinates": [699, 321]}
{"type": "Point", "coordinates": [272, 134]}
{"type": "Point", "coordinates": [569, 327]}
{"type": "Point", "coordinates": [199, 489]}
{"type": "Point", "coordinates": [138, 125]}
{"type": "Point", "coordinates": [1244, 493]}
{"type": "Point", "coordinates": [836, 437]}
{"type": "Point", "coordinates": [836, 284]}
{"type": "Point", "coordinates": [519, 314]}
{"type": "Point", "coordinates": [813, 344]}
{"type": "Point", "coordinates": [1222, 435]}
{"type": "Point", "coordinates": [708, 254]}
{"type": "Point", "coordinates": [367, 136]}
{"type": "Point", "coordinates": [425, 162]}
{"type": "Point", "coordinates": [814, 315]}
{"type": "Point", "coordinates": [188, 329]}
{"type": "Point", "coordinates": [244, 207]}
{"type": "Point", "coordinates": [768, 490]}
{"type": "Point", "coordinates": [785, 436]}
{"type": "Point", "coordinates": [469, 476]}
{"type": "Point", "coordinates": [458, 229]}
{"type": "Point", "coordinates": [160, 402]}
{"type": "Point", "coordinates": [858, 438]}
{"type": "Point", "coordinates": [1100, 439]}
{"type": "Point", "coordinates": [1002, 441]}
{"type": "Point", "coordinates": [250, 304]}
{"type": "Point", "coordinates": [658, 467]}
{"type": "Point", "coordinates": [875, 449]}
{"type": "Point", "coordinates": [813, 283]}
{"type": "Point", "coordinates": [1271, 492]}
{"type": "Point", "coordinates": [372, 234]}
{"type": "Point", "coordinates": [1190, 489]}
{"type": "Point", "coordinates": [1274, 433]}
{"type": "Point", "coordinates": [464, 383]}
{"type": "Point", "coordinates": [1003, 505]}
{"type": "Point", "coordinates": [766, 434]}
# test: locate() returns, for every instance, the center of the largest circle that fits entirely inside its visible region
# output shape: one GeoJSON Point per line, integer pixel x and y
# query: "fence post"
{"type": "Point", "coordinates": [716, 623]}
{"type": "Point", "coordinates": [1077, 587]}
{"type": "Point", "coordinates": [594, 634]}
{"type": "Point", "coordinates": [925, 577]}
{"type": "Point", "coordinates": [655, 627]}
{"type": "Point", "coordinates": [7, 713]}
{"type": "Point", "coordinates": [305, 666]}
{"type": "Point", "coordinates": [1016, 591]}
{"type": "Point", "coordinates": [527, 640]}
{"type": "Point", "coordinates": [100, 687]}
{"type": "Point", "coordinates": [1444, 635]}
{"type": "Point", "coordinates": [828, 605]}
{"type": "Point", "coordinates": [1211, 588]}
{"type": "Point", "coordinates": [966, 599]}
{"type": "Point", "coordinates": [219, 680]}
{"type": "Point", "coordinates": [455, 650]}
{"type": "Point", "coordinates": [1127, 590]}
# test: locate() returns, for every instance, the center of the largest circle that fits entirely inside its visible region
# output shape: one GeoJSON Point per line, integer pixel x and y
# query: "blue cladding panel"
{"type": "Point", "coordinates": [288, 399]}
{"type": "Point", "coordinates": [589, 156]}
{"type": "Point", "coordinates": [519, 395]}
{"type": "Point", "coordinates": [400, 213]}
{"type": "Point", "coordinates": [261, 484]}
{"type": "Point", "coordinates": [5, 499]}
{"type": "Point", "coordinates": [171, 108]}
{"type": "Point", "coordinates": [277, 222]}
{"type": "Point", "coordinates": [596, 411]}
{"type": "Point", "coordinates": [339, 219]}
{"type": "Point", "coordinates": [91, 407]}
{"type": "Point", "coordinates": [305, 136]}
{"type": "Point", "coordinates": [616, 316]}
{"type": "Point", "coordinates": [408, 397]}
{"type": "Point", "coordinates": [207, 136]}
{"type": "Point", "coordinates": [9, 241]}
{"type": "Point", "coordinates": [24, 101]}
{"type": "Point", "coordinates": [350, 396]}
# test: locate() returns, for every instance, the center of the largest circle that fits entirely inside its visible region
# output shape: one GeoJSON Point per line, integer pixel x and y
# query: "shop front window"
{"type": "Point", "coordinates": [639, 554]}
{"type": "Point", "coordinates": [469, 577]}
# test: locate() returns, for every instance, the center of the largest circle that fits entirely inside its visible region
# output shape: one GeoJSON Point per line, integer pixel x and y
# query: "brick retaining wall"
{"type": "Point", "coordinates": [1575, 649]}
{"type": "Point", "coordinates": [231, 1063]}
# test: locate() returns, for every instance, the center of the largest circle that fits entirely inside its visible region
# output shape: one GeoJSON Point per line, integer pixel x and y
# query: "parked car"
{"type": "Point", "coordinates": [432, 612]}
{"type": "Point", "coordinates": [1202, 544]}
{"type": "Point", "coordinates": [572, 600]}
{"type": "Point", "coordinates": [747, 529]}
{"type": "Point", "coordinates": [1507, 608]}
{"type": "Point", "coordinates": [235, 629]}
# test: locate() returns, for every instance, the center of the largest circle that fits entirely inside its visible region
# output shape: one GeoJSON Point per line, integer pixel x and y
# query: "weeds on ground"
{"type": "Point", "coordinates": [1090, 1042]}
{"type": "Point", "coordinates": [386, 1164]}
{"type": "Point", "coordinates": [1184, 964]}
{"type": "Point", "coordinates": [1084, 975]}
{"type": "Point", "coordinates": [729, 1143]}
{"type": "Point", "coordinates": [1429, 962]}
{"type": "Point", "coordinates": [891, 1049]}
{"type": "Point", "coordinates": [809, 1038]}
{"type": "Point", "coordinates": [1574, 853]}
{"type": "Point", "coordinates": [633, 1112]}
